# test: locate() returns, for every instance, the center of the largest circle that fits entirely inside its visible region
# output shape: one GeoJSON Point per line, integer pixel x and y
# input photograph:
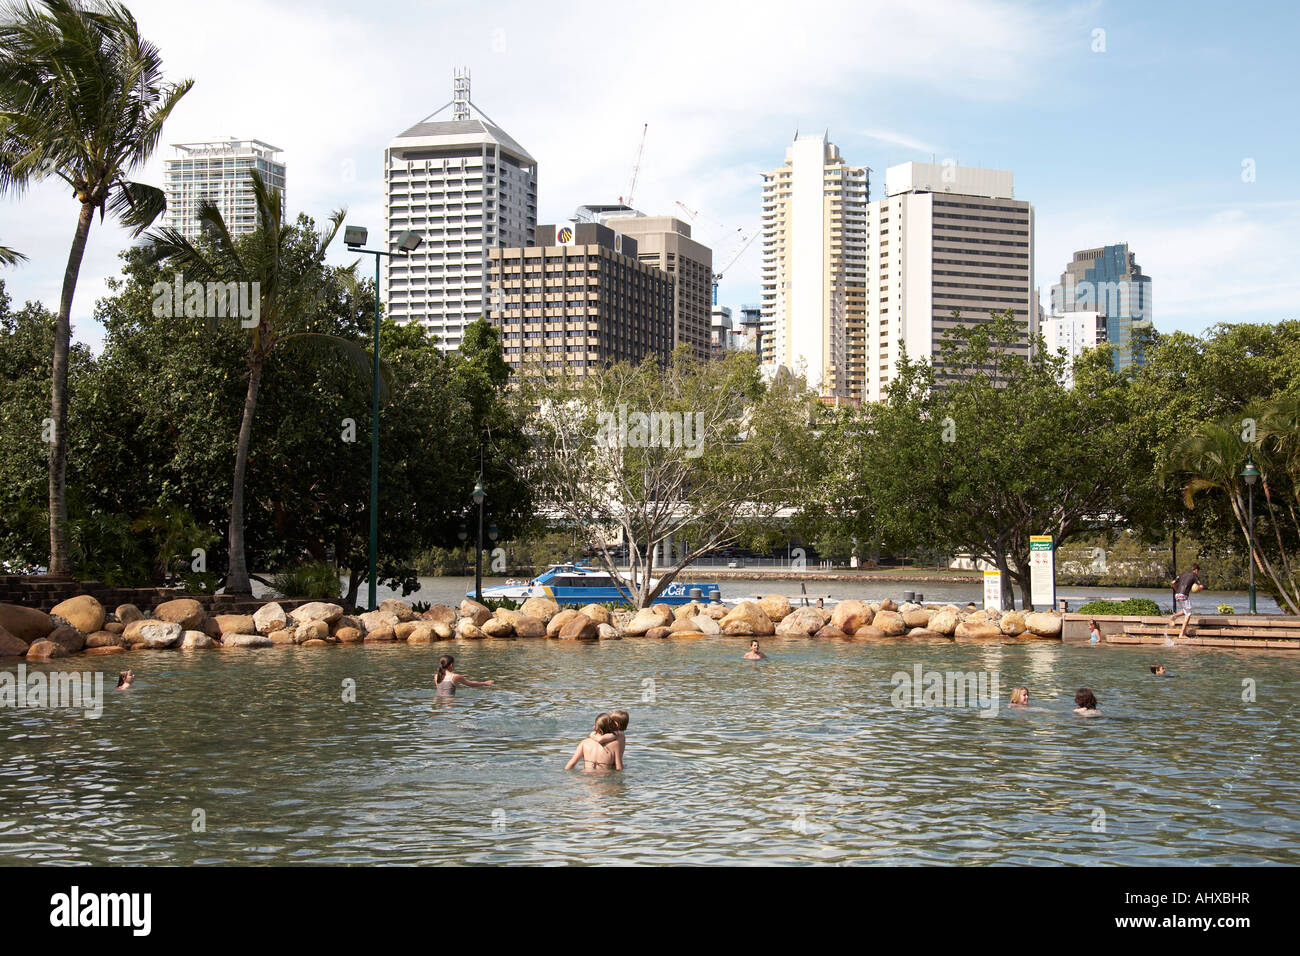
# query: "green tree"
{"type": "Point", "coordinates": [82, 98]}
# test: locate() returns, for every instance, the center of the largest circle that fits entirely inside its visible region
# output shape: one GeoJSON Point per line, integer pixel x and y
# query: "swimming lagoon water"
{"type": "Point", "coordinates": [256, 757]}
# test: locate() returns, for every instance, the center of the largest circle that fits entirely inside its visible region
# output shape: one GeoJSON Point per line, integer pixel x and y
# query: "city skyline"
{"type": "Point", "coordinates": [1213, 198]}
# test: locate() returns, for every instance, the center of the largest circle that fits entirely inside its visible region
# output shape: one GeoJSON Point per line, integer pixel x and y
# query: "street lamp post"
{"type": "Point", "coordinates": [354, 237]}
{"type": "Point", "coordinates": [479, 496]}
{"type": "Point", "coordinates": [1251, 474]}
{"type": "Point", "coordinates": [463, 534]}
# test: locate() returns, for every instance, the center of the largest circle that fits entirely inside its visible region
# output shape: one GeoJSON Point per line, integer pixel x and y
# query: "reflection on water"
{"type": "Point", "coordinates": [255, 756]}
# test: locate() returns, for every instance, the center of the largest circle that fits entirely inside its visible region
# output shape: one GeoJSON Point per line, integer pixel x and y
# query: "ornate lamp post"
{"type": "Point", "coordinates": [1251, 474]}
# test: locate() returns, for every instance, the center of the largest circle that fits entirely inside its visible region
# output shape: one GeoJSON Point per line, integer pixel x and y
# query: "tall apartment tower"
{"type": "Point", "coordinates": [578, 299]}
{"type": "Point", "coordinates": [814, 267]}
{"type": "Point", "coordinates": [466, 187]}
{"type": "Point", "coordinates": [1107, 280]}
{"type": "Point", "coordinates": [666, 242]}
{"type": "Point", "coordinates": [218, 171]}
{"type": "Point", "coordinates": [945, 238]}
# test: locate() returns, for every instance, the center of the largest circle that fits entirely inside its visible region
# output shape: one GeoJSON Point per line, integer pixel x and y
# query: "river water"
{"type": "Point", "coordinates": [258, 757]}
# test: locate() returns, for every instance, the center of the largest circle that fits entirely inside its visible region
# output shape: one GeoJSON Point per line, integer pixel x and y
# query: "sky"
{"type": "Point", "coordinates": [1170, 126]}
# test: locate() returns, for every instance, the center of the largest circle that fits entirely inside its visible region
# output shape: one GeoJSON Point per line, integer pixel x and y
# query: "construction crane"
{"type": "Point", "coordinates": [717, 276]}
{"type": "Point", "coordinates": [636, 169]}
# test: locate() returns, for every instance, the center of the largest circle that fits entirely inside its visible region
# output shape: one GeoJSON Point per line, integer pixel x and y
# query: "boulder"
{"type": "Point", "coordinates": [606, 632]}
{"type": "Point", "coordinates": [597, 612]}
{"type": "Point", "coordinates": [101, 651]}
{"type": "Point", "coordinates": [441, 612]}
{"type": "Point", "coordinates": [347, 620]}
{"type": "Point", "coordinates": [543, 609]}
{"type": "Point", "coordinates": [153, 635]}
{"type": "Point", "coordinates": [314, 630]}
{"type": "Point", "coordinates": [11, 646]}
{"type": "Point", "coordinates": [978, 631]}
{"type": "Point", "coordinates": [1011, 623]}
{"type": "Point", "coordinates": [526, 626]}
{"type": "Point", "coordinates": [442, 629]}
{"type": "Point", "coordinates": [283, 637]}
{"type": "Point", "coordinates": [776, 607]}
{"type": "Point", "coordinates": [687, 610]}
{"type": "Point", "coordinates": [210, 628]}
{"type": "Point", "coordinates": [747, 619]}
{"type": "Point", "coordinates": [869, 632]}
{"type": "Point", "coordinates": [267, 618]}
{"type": "Point", "coordinates": [507, 615]}
{"type": "Point", "coordinates": [658, 633]}
{"type": "Point", "coordinates": [186, 612]}
{"type": "Point", "coordinates": [317, 611]}
{"type": "Point", "coordinates": [890, 623]}
{"type": "Point", "coordinates": [44, 650]}
{"type": "Point", "coordinates": [943, 621]}
{"type": "Point", "coordinates": [25, 623]}
{"type": "Point", "coordinates": [888, 605]}
{"type": "Point", "coordinates": [194, 640]}
{"type": "Point", "coordinates": [715, 611]}
{"type": "Point", "coordinates": [468, 629]}
{"type": "Point", "coordinates": [666, 610]}
{"type": "Point", "coordinates": [495, 627]}
{"type": "Point", "coordinates": [829, 631]}
{"type": "Point", "coordinates": [977, 617]}
{"type": "Point", "coordinates": [643, 620]}
{"type": "Point", "coordinates": [1043, 624]}
{"type": "Point", "coordinates": [850, 615]}
{"type": "Point", "coordinates": [83, 612]}
{"type": "Point", "coordinates": [381, 633]}
{"type": "Point", "coordinates": [559, 620]}
{"type": "Point", "coordinates": [126, 613]}
{"type": "Point", "coordinates": [423, 634]}
{"type": "Point", "coordinates": [707, 625]}
{"type": "Point", "coordinates": [923, 632]}
{"type": "Point", "coordinates": [235, 623]}
{"type": "Point", "coordinates": [685, 625]}
{"type": "Point", "coordinates": [246, 640]}
{"type": "Point", "coordinates": [403, 610]}
{"type": "Point", "coordinates": [802, 622]}
{"type": "Point", "coordinates": [353, 635]}
{"type": "Point", "coordinates": [476, 612]}
{"type": "Point", "coordinates": [71, 638]}
{"type": "Point", "coordinates": [402, 629]}
{"type": "Point", "coordinates": [917, 617]}
{"type": "Point", "coordinates": [579, 628]}
{"type": "Point", "coordinates": [373, 620]}
{"type": "Point", "coordinates": [316, 643]}
{"type": "Point", "coordinates": [114, 627]}
{"type": "Point", "coordinates": [103, 639]}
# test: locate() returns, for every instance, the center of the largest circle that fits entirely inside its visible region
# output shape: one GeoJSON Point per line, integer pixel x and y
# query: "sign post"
{"type": "Point", "coordinates": [1042, 569]}
{"type": "Point", "coordinates": [992, 590]}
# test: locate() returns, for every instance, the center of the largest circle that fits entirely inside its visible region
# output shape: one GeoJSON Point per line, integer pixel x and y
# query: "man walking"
{"type": "Point", "coordinates": [1184, 585]}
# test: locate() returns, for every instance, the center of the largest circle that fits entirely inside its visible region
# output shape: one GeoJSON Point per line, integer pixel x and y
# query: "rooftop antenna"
{"type": "Point", "coordinates": [460, 94]}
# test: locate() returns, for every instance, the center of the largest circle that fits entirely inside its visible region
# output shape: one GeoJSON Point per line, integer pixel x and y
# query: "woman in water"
{"type": "Point", "coordinates": [1094, 632]}
{"type": "Point", "coordinates": [1085, 703]}
{"type": "Point", "coordinates": [1020, 697]}
{"type": "Point", "coordinates": [125, 679]}
{"type": "Point", "coordinates": [448, 679]}
{"type": "Point", "coordinates": [597, 756]}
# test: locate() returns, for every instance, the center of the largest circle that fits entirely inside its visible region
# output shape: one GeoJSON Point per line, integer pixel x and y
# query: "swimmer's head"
{"type": "Point", "coordinates": [1094, 625]}
{"type": "Point", "coordinates": [605, 724]}
{"type": "Point", "coordinates": [444, 665]}
{"type": "Point", "coordinates": [1020, 695]}
{"type": "Point", "coordinates": [125, 677]}
{"type": "Point", "coordinates": [1085, 698]}
{"type": "Point", "coordinates": [620, 718]}
{"type": "Point", "coordinates": [753, 645]}
{"type": "Point", "coordinates": [1157, 668]}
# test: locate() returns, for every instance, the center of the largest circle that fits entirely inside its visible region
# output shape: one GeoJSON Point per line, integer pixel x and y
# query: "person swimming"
{"type": "Point", "coordinates": [447, 678]}
{"type": "Point", "coordinates": [617, 739]}
{"type": "Point", "coordinates": [1085, 703]}
{"type": "Point", "coordinates": [124, 680]}
{"type": "Point", "coordinates": [754, 653]}
{"type": "Point", "coordinates": [1094, 632]}
{"type": "Point", "coordinates": [1020, 697]}
{"type": "Point", "coordinates": [597, 756]}
{"type": "Point", "coordinates": [1157, 668]}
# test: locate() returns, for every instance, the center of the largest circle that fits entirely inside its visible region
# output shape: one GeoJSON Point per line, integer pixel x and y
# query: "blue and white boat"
{"type": "Point", "coordinates": [577, 584]}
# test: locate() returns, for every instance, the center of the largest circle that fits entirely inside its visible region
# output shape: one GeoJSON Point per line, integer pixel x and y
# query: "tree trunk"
{"type": "Point", "coordinates": [237, 579]}
{"type": "Point", "coordinates": [59, 563]}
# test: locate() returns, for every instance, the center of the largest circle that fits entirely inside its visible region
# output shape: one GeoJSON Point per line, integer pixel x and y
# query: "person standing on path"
{"type": "Point", "coordinates": [1184, 585]}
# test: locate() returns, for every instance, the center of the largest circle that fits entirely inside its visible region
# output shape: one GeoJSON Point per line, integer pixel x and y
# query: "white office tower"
{"type": "Point", "coordinates": [465, 187]}
{"type": "Point", "coordinates": [1073, 333]}
{"type": "Point", "coordinates": [218, 171]}
{"type": "Point", "coordinates": [814, 262]}
{"type": "Point", "coordinates": [945, 238]}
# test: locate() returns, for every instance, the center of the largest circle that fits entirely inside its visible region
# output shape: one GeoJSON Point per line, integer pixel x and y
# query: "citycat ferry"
{"type": "Point", "coordinates": [578, 584]}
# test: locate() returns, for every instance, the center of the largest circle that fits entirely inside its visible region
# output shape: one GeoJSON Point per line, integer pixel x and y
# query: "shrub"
{"type": "Point", "coordinates": [1132, 607]}
{"type": "Point", "coordinates": [318, 580]}
{"type": "Point", "coordinates": [1227, 609]}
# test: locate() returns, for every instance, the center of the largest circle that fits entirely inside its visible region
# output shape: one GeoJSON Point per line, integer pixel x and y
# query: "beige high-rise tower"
{"type": "Point", "coordinates": [814, 267]}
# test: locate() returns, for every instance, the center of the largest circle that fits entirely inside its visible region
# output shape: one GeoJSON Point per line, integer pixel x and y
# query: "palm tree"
{"type": "Point", "coordinates": [9, 257]}
{"type": "Point", "coordinates": [287, 288]}
{"type": "Point", "coordinates": [81, 98]}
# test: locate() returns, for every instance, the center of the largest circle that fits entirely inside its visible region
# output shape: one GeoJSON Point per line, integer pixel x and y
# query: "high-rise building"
{"type": "Point", "coordinates": [1073, 333]}
{"type": "Point", "coordinates": [578, 299]}
{"type": "Point", "coordinates": [724, 335]}
{"type": "Point", "coordinates": [218, 171]}
{"type": "Point", "coordinates": [1108, 280]}
{"type": "Point", "coordinates": [666, 242]}
{"type": "Point", "coordinates": [814, 266]}
{"type": "Point", "coordinates": [466, 187]}
{"type": "Point", "coordinates": [945, 238]}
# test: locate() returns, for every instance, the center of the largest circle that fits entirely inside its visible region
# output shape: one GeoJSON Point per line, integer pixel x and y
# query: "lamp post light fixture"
{"type": "Point", "coordinates": [1251, 474]}
{"type": "Point", "coordinates": [354, 237]}
{"type": "Point", "coordinates": [479, 497]}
